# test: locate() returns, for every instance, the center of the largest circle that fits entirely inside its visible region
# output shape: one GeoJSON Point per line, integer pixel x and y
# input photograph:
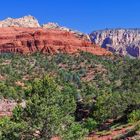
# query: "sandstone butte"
{"type": "Point", "coordinates": [49, 41]}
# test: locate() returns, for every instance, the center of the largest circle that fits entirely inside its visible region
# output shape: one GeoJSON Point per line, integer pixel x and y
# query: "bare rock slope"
{"type": "Point", "coordinates": [25, 35]}
{"type": "Point", "coordinates": [122, 41]}
{"type": "Point", "coordinates": [26, 21]}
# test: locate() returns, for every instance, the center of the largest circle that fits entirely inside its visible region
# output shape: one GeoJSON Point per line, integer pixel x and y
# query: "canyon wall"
{"type": "Point", "coordinates": [121, 41]}
{"type": "Point", "coordinates": [31, 40]}
{"type": "Point", "coordinates": [25, 35]}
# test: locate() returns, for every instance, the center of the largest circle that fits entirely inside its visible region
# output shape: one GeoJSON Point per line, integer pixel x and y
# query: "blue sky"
{"type": "Point", "coordinates": [83, 15]}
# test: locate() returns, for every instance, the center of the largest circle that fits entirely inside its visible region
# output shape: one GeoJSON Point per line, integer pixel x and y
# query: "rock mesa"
{"type": "Point", "coordinates": [25, 35]}
{"type": "Point", "coordinates": [30, 40]}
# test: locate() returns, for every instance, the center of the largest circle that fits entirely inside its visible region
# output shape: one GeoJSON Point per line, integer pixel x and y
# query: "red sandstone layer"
{"type": "Point", "coordinates": [30, 40]}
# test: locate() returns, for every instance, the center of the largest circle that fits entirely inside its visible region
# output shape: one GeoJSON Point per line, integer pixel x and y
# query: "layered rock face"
{"type": "Point", "coordinates": [58, 27]}
{"type": "Point", "coordinates": [30, 40]}
{"type": "Point", "coordinates": [26, 21]}
{"type": "Point", "coordinates": [32, 22]}
{"type": "Point", "coordinates": [25, 35]}
{"type": "Point", "coordinates": [122, 41]}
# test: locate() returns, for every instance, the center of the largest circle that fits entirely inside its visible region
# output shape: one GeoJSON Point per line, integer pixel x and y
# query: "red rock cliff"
{"type": "Point", "coordinates": [30, 40]}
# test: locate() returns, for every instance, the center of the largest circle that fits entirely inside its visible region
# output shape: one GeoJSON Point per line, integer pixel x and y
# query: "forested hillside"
{"type": "Point", "coordinates": [69, 96]}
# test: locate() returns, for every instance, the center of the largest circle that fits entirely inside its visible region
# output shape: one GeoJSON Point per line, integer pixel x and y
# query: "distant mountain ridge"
{"type": "Point", "coordinates": [125, 42]}
{"type": "Point", "coordinates": [121, 41]}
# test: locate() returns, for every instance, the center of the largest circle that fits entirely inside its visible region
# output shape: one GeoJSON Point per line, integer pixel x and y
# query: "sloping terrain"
{"type": "Point", "coordinates": [25, 35]}
{"type": "Point", "coordinates": [121, 41]}
{"type": "Point", "coordinates": [56, 83]}
{"type": "Point", "coordinates": [104, 87]}
{"type": "Point", "coordinates": [31, 40]}
{"type": "Point", "coordinates": [26, 21]}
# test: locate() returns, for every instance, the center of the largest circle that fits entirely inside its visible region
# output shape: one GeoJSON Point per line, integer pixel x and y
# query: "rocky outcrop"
{"type": "Point", "coordinates": [26, 21]}
{"type": "Point", "coordinates": [51, 25]}
{"type": "Point", "coordinates": [32, 22]}
{"type": "Point", "coordinates": [122, 41]}
{"type": "Point", "coordinates": [7, 106]}
{"type": "Point", "coordinates": [49, 41]}
{"type": "Point", "coordinates": [76, 33]}
{"type": "Point", "coordinates": [133, 49]}
{"type": "Point", "coordinates": [25, 35]}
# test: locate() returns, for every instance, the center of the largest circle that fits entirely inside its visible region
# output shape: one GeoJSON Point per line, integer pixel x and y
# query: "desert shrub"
{"type": "Point", "coordinates": [90, 124]}
{"type": "Point", "coordinates": [134, 116]}
{"type": "Point", "coordinates": [114, 105]}
{"type": "Point", "coordinates": [10, 130]}
{"type": "Point", "coordinates": [7, 91]}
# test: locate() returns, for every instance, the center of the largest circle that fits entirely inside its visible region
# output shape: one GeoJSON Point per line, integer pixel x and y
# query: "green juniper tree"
{"type": "Point", "coordinates": [48, 113]}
